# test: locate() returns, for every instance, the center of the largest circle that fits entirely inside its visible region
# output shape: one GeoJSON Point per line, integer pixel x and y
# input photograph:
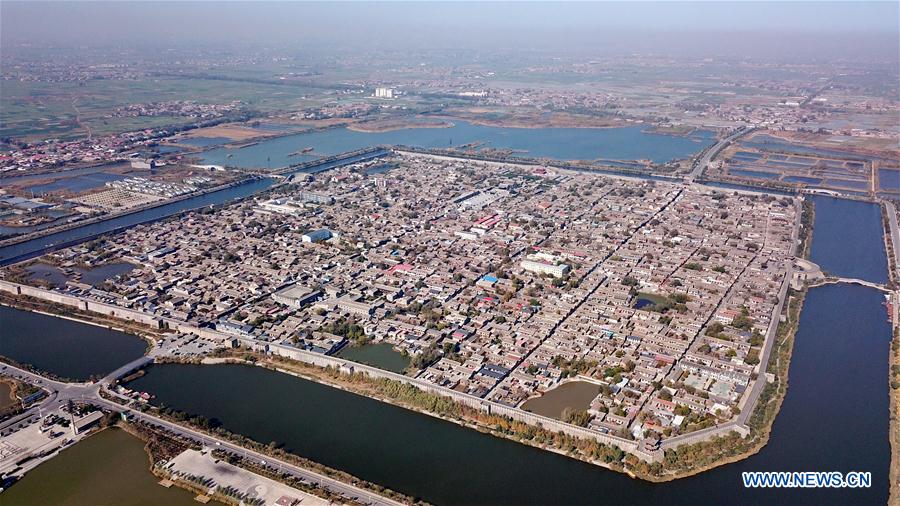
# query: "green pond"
{"type": "Point", "coordinates": [109, 468]}
{"type": "Point", "coordinates": [381, 355]}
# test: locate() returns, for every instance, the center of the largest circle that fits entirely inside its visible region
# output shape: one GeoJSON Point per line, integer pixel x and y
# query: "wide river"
{"type": "Point", "coordinates": [621, 143]}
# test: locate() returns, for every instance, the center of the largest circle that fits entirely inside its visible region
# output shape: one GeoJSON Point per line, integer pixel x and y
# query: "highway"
{"type": "Point", "coordinates": [703, 162]}
{"type": "Point", "coordinates": [90, 392]}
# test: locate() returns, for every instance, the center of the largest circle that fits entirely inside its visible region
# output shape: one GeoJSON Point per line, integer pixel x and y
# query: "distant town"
{"type": "Point", "coordinates": [261, 264]}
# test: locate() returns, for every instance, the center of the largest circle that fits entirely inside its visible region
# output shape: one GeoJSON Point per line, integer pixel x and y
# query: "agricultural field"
{"type": "Point", "coordinates": [32, 111]}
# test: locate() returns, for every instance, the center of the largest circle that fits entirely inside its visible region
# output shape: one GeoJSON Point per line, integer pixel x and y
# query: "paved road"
{"type": "Point", "coordinates": [895, 232]}
{"type": "Point", "coordinates": [703, 162]}
{"type": "Point", "coordinates": [90, 392]}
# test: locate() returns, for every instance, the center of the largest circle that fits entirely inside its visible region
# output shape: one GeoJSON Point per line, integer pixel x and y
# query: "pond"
{"type": "Point", "coordinates": [573, 395]}
{"type": "Point", "coordinates": [92, 276]}
{"type": "Point", "coordinates": [109, 468]}
{"type": "Point", "coordinates": [381, 355]}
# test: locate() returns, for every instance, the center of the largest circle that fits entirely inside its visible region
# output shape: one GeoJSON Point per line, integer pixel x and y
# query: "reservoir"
{"type": "Point", "coordinates": [834, 417]}
{"type": "Point", "coordinates": [623, 143]}
{"type": "Point", "coordinates": [63, 347]}
{"type": "Point", "coordinates": [109, 468]}
{"type": "Point", "coordinates": [848, 239]}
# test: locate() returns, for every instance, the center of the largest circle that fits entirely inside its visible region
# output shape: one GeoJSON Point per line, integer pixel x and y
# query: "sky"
{"type": "Point", "coordinates": [844, 29]}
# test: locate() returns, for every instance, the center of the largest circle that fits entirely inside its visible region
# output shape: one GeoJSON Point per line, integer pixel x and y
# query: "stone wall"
{"type": "Point", "coordinates": [81, 304]}
{"type": "Point", "coordinates": [461, 397]}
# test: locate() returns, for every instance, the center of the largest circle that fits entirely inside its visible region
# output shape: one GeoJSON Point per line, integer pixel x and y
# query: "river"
{"type": "Point", "coordinates": [63, 347]}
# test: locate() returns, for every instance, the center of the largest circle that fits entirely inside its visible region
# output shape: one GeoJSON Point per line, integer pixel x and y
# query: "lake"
{"type": "Point", "coordinates": [623, 143]}
{"type": "Point", "coordinates": [109, 468]}
{"type": "Point", "coordinates": [63, 347]}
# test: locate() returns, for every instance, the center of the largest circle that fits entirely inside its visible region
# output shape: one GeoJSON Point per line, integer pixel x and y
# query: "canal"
{"type": "Point", "coordinates": [63, 347]}
{"type": "Point", "coordinates": [110, 468]}
{"type": "Point", "coordinates": [26, 249]}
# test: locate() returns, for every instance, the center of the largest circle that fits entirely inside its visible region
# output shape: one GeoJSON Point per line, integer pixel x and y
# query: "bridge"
{"type": "Point", "coordinates": [806, 270]}
{"type": "Point", "coordinates": [700, 165]}
{"type": "Point", "coordinates": [854, 281]}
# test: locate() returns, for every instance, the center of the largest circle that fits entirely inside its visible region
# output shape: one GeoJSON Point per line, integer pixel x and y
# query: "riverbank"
{"type": "Point", "coordinates": [684, 461]}
{"type": "Point", "coordinates": [434, 405]}
{"type": "Point", "coordinates": [161, 447]}
{"type": "Point", "coordinates": [33, 305]}
{"type": "Point", "coordinates": [894, 386]}
{"type": "Point", "coordinates": [505, 119]}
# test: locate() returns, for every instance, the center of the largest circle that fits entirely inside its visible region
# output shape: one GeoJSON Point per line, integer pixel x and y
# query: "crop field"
{"type": "Point", "coordinates": [32, 111]}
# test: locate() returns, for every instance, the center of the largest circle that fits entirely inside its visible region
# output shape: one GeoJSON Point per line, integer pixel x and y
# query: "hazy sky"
{"type": "Point", "coordinates": [854, 28]}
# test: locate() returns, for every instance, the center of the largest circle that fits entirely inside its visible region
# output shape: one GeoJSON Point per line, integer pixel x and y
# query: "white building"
{"type": "Point", "coordinates": [384, 93]}
{"type": "Point", "coordinates": [555, 270]}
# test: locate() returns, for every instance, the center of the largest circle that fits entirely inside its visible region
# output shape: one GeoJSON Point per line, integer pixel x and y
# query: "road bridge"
{"type": "Point", "coordinates": [702, 163]}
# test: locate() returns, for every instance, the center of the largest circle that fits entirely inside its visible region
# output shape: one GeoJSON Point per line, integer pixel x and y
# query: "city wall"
{"type": "Point", "coordinates": [472, 401]}
{"type": "Point", "coordinates": [81, 304]}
